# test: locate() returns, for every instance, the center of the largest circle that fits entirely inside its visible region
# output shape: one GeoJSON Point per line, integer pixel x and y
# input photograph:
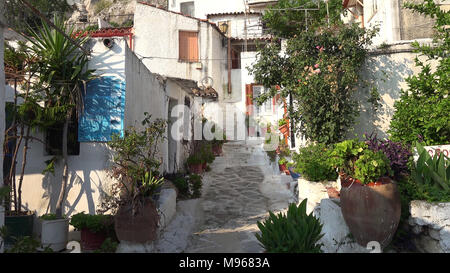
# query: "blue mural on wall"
{"type": "Point", "coordinates": [104, 110]}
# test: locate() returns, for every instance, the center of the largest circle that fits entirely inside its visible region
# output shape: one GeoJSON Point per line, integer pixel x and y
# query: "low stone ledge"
{"type": "Point", "coordinates": [314, 192]}
{"type": "Point", "coordinates": [431, 223]}
{"type": "Point", "coordinates": [337, 237]}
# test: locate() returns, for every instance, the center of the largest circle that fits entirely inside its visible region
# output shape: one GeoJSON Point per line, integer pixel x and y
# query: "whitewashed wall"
{"type": "Point", "coordinates": [149, 92]}
{"type": "Point", "coordinates": [87, 171]}
{"type": "Point", "coordinates": [156, 35]}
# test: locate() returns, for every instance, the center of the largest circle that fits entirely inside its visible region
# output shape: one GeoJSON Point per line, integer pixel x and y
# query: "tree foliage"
{"type": "Point", "coordinates": [422, 113]}
{"type": "Point", "coordinates": [19, 17]}
{"type": "Point", "coordinates": [318, 67]}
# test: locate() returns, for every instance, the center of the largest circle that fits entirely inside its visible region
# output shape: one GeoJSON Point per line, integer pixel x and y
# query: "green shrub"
{"type": "Point", "coordinates": [313, 163]}
{"type": "Point", "coordinates": [95, 223]}
{"type": "Point", "coordinates": [48, 217]}
{"type": "Point", "coordinates": [108, 246]}
{"type": "Point", "coordinates": [422, 113]}
{"type": "Point", "coordinates": [293, 232]}
{"type": "Point", "coordinates": [196, 183]}
{"type": "Point", "coordinates": [206, 153]}
{"type": "Point", "coordinates": [194, 160]}
{"type": "Point", "coordinates": [344, 154]}
{"type": "Point", "coordinates": [370, 166]}
{"type": "Point", "coordinates": [182, 185]}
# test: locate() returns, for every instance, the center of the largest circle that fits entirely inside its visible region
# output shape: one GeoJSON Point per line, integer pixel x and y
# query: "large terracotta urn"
{"type": "Point", "coordinates": [138, 227]}
{"type": "Point", "coordinates": [372, 211]}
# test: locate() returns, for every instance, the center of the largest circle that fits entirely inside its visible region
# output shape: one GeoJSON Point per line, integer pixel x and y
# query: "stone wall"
{"type": "Point", "coordinates": [431, 223]}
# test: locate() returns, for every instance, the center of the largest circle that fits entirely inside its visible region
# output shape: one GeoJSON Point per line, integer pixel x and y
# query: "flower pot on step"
{"type": "Point", "coordinates": [196, 168]}
{"type": "Point", "coordinates": [138, 227]}
{"type": "Point", "coordinates": [372, 212]}
{"type": "Point", "coordinates": [91, 240]}
{"type": "Point", "coordinates": [217, 150]}
{"type": "Point", "coordinates": [55, 233]}
{"type": "Point", "coordinates": [18, 226]}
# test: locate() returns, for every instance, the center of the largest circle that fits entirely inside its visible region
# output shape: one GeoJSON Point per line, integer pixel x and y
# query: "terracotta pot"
{"type": "Point", "coordinates": [196, 168]}
{"type": "Point", "coordinates": [204, 166]}
{"type": "Point", "coordinates": [92, 240]}
{"type": "Point", "coordinates": [372, 212]}
{"type": "Point", "coordinates": [284, 169]}
{"type": "Point", "coordinates": [283, 129]}
{"type": "Point", "coordinates": [140, 227]}
{"type": "Point", "coordinates": [217, 150]}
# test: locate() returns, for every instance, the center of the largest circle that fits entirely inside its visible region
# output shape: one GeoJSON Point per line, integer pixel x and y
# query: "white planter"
{"type": "Point", "coordinates": [314, 192]}
{"type": "Point", "coordinates": [54, 233]}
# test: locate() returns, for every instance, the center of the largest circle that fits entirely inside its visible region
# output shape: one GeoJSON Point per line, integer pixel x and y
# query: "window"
{"type": "Point", "coordinates": [372, 10]}
{"type": "Point", "coordinates": [104, 110]}
{"type": "Point", "coordinates": [187, 8]}
{"type": "Point", "coordinates": [54, 141]}
{"type": "Point", "coordinates": [235, 59]}
{"type": "Point", "coordinates": [266, 107]}
{"type": "Point", "coordinates": [188, 46]}
{"type": "Point", "coordinates": [187, 119]}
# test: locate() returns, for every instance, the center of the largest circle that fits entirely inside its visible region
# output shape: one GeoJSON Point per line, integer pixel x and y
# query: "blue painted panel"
{"type": "Point", "coordinates": [104, 110]}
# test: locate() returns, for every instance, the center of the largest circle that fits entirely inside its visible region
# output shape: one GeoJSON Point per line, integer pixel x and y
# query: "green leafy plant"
{"type": "Point", "coordinates": [355, 159]}
{"type": "Point", "coordinates": [94, 223]}
{"type": "Point", "coordinates": [282, 122]}
{"type": "Point", "coordinates": [206, 153]}
{"type": "Point", "coordinates": [194, 160]}
{"type": "Point", "coordinates": [195, 182]}
{"type": "Point", "coordinates": [293, 232]}
{"type": "Point", "coordinates": [62, 71]}
{"type": "Point", "coordinates": [108, 246]}
{"type": "Point", "coordinates": [421, 114]}
{"type": "Point", "coordinates": [431, 170]}
{"type": "Point", "coordinates": [345, 153]}
{"type": "Point", "coordinates": [49, 217]}
{"type": "Point", "coordinates": [318, 68]}
{"type": "Point", "coordinates": [370, 166]}
{"type": "Point", "coordinates": [313, 162]}
{"type": "Point", "coordinates": [182, 185]}
{"type": "Point", "coordinates": [27, 244]}
{"type": "Point", "coordinates": [282, 161]}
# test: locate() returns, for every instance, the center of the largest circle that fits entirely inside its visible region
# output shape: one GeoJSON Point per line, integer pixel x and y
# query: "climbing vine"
{"type": "Point", "coordinates": [319, 68]}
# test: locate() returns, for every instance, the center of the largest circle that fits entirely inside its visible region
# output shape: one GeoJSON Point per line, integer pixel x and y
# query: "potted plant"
{"type": "Point", "coordinates": [318, 177]}
{"type": "Point", "coordinates": [283, 126]}
{"type": "Point", "coordinates": [132, 199]}
{"type": "Point", "coordinates": [94, 229]}
{"type": "Point", "coordinates": [195, 164]}
{"type": "Point", "coordinates": [370, 200]}
{"type": "Point", "coordinates": [282, 165]}
{"type": "Point", "coordinates": [54, 231]}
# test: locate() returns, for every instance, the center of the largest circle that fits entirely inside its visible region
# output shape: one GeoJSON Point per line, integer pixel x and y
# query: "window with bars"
{"type": "Point", "coordinates": [188, 46]}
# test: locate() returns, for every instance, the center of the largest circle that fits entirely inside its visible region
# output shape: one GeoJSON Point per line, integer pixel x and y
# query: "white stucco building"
{"type": "Point", "coordinates": [117, 99]}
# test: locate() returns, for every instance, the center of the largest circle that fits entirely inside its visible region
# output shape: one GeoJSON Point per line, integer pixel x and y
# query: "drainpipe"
{"type": "Point", "coordinates": [229, 64]}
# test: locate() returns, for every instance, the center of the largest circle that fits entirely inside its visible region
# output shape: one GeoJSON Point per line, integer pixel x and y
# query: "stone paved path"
{"type": "Point", "coordinates": [238, 191]}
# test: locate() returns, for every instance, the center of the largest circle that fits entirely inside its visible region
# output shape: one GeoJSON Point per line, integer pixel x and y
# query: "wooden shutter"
{"type": "Point", "coordinates": [249, 98]}
{"type": "Point", "coordinates": [104, 110]}
{"type": "Point", "coordinates": [188, 46]}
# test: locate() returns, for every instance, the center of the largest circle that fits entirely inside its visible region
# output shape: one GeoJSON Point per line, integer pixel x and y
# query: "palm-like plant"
{"type": "Point", "coordinates": [62, 75]}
